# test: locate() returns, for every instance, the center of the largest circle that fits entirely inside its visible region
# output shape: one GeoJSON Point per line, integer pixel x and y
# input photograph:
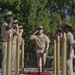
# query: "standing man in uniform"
{"type": "Point", "coordinates": [15, 29]}
{"type": "Point", "coordinates": [70, 50]}
{"type": "Point", "coordinates": [6, 28]}
{"type": "Point", "coordinates": [20, 35]}
{"type": "Point", "coordinates": [42, 45]}
{"type": "Point", "coordinates": [60, 34]}
{"type": "Point", "coordinates": [17, 32]}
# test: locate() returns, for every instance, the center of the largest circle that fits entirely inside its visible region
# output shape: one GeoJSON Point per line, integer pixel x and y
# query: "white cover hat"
{"type": "Point", "coordinates": [8, 13]}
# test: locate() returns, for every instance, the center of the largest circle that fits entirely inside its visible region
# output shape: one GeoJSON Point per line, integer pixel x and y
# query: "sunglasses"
{"type": "Point", "coordinates": [39, 28]}
{"type": "Point", "coordinates": [15, 22]}
{"type": "Point", "coordinates": [21, 28]}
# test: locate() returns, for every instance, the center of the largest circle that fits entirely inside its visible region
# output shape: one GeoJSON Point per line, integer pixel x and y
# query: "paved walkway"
{"type": "Point", "coordinates": [33, 70]}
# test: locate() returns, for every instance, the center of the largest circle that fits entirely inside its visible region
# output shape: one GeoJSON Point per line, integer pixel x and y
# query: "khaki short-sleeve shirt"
{"type": "Point", "coordinates": [41, 42]}
{"type": "Point", "coordinates": [70, 40]}
{"type": "Point", "coordinates": [4, 32]}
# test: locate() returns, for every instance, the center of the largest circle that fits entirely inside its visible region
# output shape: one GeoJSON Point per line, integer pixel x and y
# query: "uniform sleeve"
{"type": "Point", "coordinates": [33, 37]}
{"type": "Point", "coordinates": [70, 39]}
{"type": "Point", "coordinates": [21, 40]}
{"type": "Point", "coordinates": [3, 30]}
{"type": "Point", "coordinates": [47, 40]}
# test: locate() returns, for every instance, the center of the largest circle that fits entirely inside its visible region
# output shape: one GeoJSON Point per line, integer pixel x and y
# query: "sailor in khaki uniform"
{"type": "Point", "coordinates": [42, 45]}
{"type": "Point", "coordinates": [60, 33]}
{"type": "Point", "coordinates": [15, 29]}
{"type": "Point", "coordinates": [20, 35]}
{"type": "Point", "coordinates": [17, 33]}
{"type": "Point", "coordinates": [6, 28]}
{"type": "Point", "coordinates": [70, 51]}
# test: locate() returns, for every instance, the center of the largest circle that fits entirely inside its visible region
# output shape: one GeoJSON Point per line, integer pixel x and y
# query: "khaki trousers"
{"type": "Point", "coordinates": [41, 60]}
{"type": "Point", "coordinates": [13, 70]}
{"type": "Point", "coordinates": [4, 57]}
{"type": "Point", "coordinates": [13, 60]}
{"type": "Point", "coordinates": [70, 64]}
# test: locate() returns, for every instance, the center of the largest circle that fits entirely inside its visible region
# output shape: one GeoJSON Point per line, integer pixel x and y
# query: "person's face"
{"type": "Point", "coordinates": [14, 25]}
{"type": "Point", "coordinates": [40, 31]}
{"type": "Point", "coordinates": [59, 33]}
{"type": "Point", "coordinates": [9, 18]}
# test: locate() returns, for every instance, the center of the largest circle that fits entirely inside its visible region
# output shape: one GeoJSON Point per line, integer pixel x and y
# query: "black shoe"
{"type": "Point", "coordinates": [38, 72]}
{"type": "Point", "coordinates": [42, 70]}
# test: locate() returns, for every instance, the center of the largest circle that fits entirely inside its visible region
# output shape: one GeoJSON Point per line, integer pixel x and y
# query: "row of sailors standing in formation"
{"type": "Point", "coordinates": [10, 26]}
{"type": "Point", "coordinates": [68, 29]}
